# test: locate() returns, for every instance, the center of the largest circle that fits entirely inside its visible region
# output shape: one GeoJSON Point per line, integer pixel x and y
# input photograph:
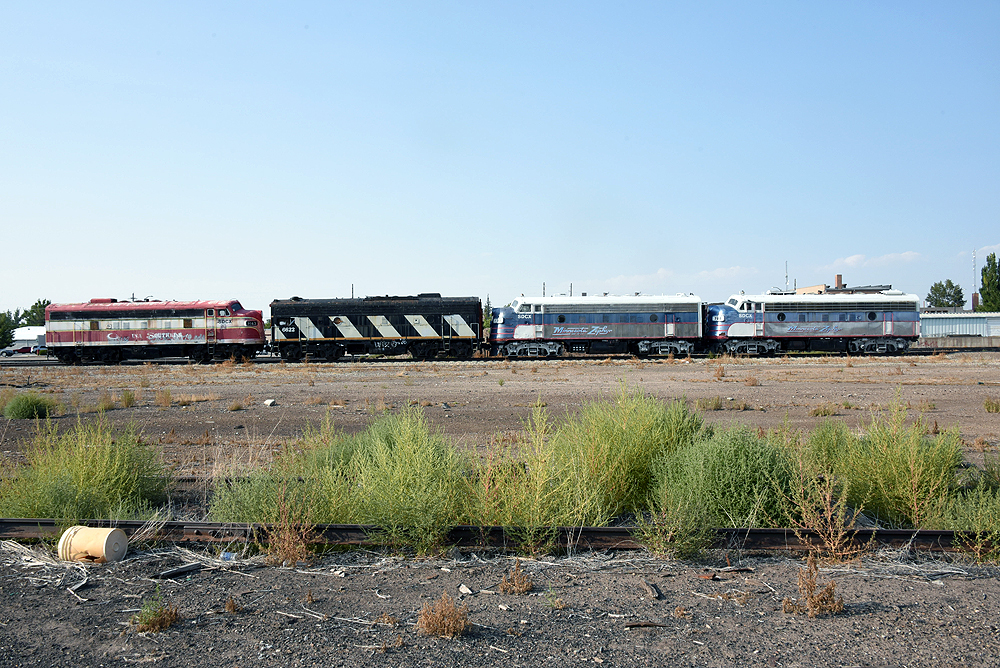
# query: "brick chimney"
{"type": "Point", "coordinates": [975, 300]}
{"type": "Point", "coordinates": [839, 280]}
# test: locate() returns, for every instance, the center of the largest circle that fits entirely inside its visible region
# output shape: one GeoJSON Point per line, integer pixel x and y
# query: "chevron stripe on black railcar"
{"type": "Point", "coordinates": [426, 326]}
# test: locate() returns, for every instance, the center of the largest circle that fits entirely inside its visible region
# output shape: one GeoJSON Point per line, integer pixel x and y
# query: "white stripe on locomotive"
{"type": "Point", "coordinates": [345, 327]}
{"type": "Point", "coordinates": [459, 325]}
{"type": "Point", "coordinates": [423, 327]}
{"type": "Point", "coordinates": [385, 329]}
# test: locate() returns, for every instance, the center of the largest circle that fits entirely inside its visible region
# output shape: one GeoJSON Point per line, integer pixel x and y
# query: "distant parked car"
{"type": "Point", "coordinates": [25, 349]}
{"type": "Point", "coordinates": [7, 352]}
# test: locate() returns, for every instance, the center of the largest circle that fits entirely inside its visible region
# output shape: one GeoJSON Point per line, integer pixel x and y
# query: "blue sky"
{"type": "Point", "coordinates": [260, 151]}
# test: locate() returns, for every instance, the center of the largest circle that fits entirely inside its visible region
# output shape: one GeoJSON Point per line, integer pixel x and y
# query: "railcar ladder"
{"type": "Point", "coordinates": [210, 333]}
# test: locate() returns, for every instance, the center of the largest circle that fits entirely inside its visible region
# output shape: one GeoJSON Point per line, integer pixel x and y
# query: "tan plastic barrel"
{"type": "Point", "coordinates": [94, 545]}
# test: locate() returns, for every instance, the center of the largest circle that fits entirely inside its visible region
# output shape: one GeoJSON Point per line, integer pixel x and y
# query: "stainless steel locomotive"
{"type": "Point", "coordinates": [548, 326]}
{"type": "Point", "coordinates": [773, 322]}
{"type": "Point", "coordinates": [425, 325]}
{"type": "Point", "coordinates": [108, 330]}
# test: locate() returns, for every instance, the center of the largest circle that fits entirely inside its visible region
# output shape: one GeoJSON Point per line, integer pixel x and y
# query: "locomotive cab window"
{"type": "Point", "coordinates": [538, 308]}
{"type": "Point", "coordinates": [524, 308]}
{"type": "Point", "coordinates": [223, 313]}
{"type": "Point", "coordinates": [210, 311]}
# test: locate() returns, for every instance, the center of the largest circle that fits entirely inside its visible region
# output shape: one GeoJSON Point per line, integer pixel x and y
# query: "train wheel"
{"type": "Point", "coordinates": [292, 353]}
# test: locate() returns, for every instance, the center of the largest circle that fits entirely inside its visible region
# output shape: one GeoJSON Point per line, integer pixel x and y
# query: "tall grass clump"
{"type": "Point", "coordinates": [731, 478]}
{"type": "Point", "coordinates": [976, 513]}
{"type": "Point", "coordinates": [518, 486]}
{"type": "Point", "coordinates": [407, 480]}
{"type": "Point", "coordinates": [29, 406]}
{"type": "Point", "coordinates": [89, 472]}
{"type": "Point", "coordinates": [593, 467]}
{"type": "Point", "coordinates": [897, 472]}
{"type": "Point", "coordinates": [607, 450]}
{"type": "Point", "coordinates": [397, 474]}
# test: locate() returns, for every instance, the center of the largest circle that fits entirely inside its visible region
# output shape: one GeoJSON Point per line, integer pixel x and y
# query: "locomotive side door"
{"type": "Point", "coordinates": [210, 329]}
{"type": "Point", "coordinates": [538, 319]}
{"type": "Point", "coordinates": [758, 319]}
{"type": "Point", "coordinates": [887, 323]}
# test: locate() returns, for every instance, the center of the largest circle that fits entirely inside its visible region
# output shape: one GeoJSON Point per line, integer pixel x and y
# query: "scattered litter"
{"type": "Point", "coordinates": [270, 402]}
{"type": "Point", "coordinates": [463, 589]}
{"type": "Point", "coordinates": [180, 570]}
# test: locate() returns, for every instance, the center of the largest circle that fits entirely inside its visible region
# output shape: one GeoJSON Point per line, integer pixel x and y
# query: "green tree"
{"type": "Point", "coordinates": [8, 323]}
{"type": "Point", "coordinates": [945, 294]}
{"type": "Point", "coordinates": [989, 293]}
{"type": "Point", "coordinates": [35, 316]}
{"type": "Point", "coordinates": [487, 316]}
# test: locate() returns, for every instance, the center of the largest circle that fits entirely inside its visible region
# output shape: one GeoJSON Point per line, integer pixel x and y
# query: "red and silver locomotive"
{"type": "Point", "coordinates": [108, 330]}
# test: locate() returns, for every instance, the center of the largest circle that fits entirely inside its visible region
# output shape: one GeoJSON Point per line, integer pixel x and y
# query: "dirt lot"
{"type": "Point", "coordinates": [216, 414]}
{"type": "Point", "coordinates": [900, 610]}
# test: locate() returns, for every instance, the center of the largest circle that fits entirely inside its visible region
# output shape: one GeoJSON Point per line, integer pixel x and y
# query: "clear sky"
{"type": "Point", "coordinates": [209, 150]}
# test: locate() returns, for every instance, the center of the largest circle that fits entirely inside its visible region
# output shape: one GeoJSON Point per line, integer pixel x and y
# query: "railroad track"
{"type": "Point", "coordinates": [579, 538]}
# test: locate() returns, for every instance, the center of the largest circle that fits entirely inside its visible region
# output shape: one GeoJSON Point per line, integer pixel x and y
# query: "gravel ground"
{"type": "Point", "coordinates": [623, 609]}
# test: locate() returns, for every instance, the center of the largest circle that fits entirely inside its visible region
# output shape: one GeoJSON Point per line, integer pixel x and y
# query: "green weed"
{"type": "Point", "coordinates": [29, 406]}
{"type": "Point", "coordinates": [88, 472]}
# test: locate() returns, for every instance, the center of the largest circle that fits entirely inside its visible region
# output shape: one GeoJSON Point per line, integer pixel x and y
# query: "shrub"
{"type": "Point", "coordinates": [734, 478]}
{"type": "Point", "coordinates": [29, 406]}
{"type": "Point", "coordinates": [991, 404]}
{"type": "Point", "coordinates": [897, 472]}
{"type": "Point", "coordinates": [816, 599]}
{"type": "Point", "coordinates": [824, 410]}
{"type": "Point", "coordinates": [128, 399]}
{"type": "Point", "coordinates": [396, 474]}
{"type": "Point", "coordinates": [976, 514]}
{"type": "Point", "coordinates": [155, 615]}
{"type": "Point", "coordinates": [708, 404]}
{"type": "Point", "coordinates": [443, 618]}
{"type": "Point", "coordinates": [597, 465]}
{"type": "Point", "coordinates": [516, 581]}
{"type": "Point", "coordinates": [89, 472]}
{"type": "Point", "coordinates": [609, 448]}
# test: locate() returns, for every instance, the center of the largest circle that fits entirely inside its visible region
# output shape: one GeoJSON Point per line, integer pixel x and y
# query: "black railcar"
{"type": "Point", "coordinates": [426, 326]}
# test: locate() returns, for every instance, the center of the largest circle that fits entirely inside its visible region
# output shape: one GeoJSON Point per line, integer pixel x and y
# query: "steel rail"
{"type": "Point", "coordinates": [490, 537]}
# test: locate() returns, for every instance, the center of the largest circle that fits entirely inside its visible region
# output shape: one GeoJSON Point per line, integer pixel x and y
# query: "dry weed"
{"type": "Point", "coordinates": [155, 615]}
{"type": "Point", "coordinates": [232, 606]}
{"type": "Point", "coordinates": [751, 381]}
{"type": "Point", "coordinates": [287, 539]}
{"type": "Point", "coordinates": [386, 619]}
{"type": "Point", "coordinates": [163, 398]}
{"type": "Point", "coordinates": [517, 581]}
{"type": "Point", "coordinates": [443, 618]}
{"type": "Point", "coordinates": [720, 372]}
{"type": "Point", "coordinates": [815, 598]}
